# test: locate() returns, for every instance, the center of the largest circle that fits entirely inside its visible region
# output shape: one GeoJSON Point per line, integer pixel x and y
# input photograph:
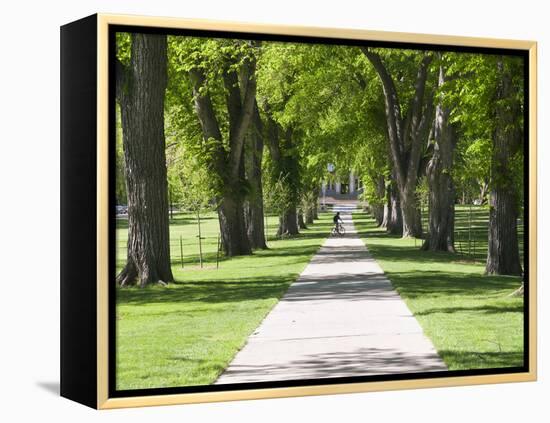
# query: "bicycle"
{"type": "Point", "coordinates": [338, 230]}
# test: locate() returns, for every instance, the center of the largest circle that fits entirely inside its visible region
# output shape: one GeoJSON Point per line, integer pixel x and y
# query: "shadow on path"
{"type": "Point", "coordinates": [361, 361]}
{"type": "Point", "coordinates": [342, 317]}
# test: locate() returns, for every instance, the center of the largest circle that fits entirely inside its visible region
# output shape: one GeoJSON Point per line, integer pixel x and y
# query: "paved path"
{"type": "Point", "coordinates": [342, 317]}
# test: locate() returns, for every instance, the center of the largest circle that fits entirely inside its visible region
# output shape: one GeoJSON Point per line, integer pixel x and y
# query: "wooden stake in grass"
{"type": "Point", "coordinates": [171, 205]}
{"type": "Point", "coordinates": [421, 217]}
{"type": "Point", "coordinates": [218, 253]}
{"type": "Point", "coordinates": [181, 252]}
{"type": "Point", "coordinates": [470, 231]}
{"type": "Point", "coordinates": [266, 228]}
{"type": "Point", "coordinates": [200, 237]}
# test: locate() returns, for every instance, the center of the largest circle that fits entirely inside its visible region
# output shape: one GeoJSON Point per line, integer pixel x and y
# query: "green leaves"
{"type": "Point", "coordinates": [123, 47]}
{"type": "Point", "coordinates": [473, 89]}
{"type": "Point", "coordinates": [332, 100]}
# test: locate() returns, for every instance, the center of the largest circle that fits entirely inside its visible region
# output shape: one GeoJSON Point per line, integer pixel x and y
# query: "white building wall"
{"type": "Point", "coordinates": [351, 183]}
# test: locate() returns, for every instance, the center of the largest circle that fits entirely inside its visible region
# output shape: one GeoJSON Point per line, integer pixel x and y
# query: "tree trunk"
{"type": "Point", "coordinates": [503, 252]}
{"type": "Point", "coordinates": [387, 207]}
{"type": "Point", "coordinates": [288, 222]}
{"type": "Point", "coordinates": [254, 222]}
{"type": "Point", "coordinates": [228, 166]}
{"type": "Point", "coordinates": [483, 190]}
{"type": "Point", "coordinates": [254, 208]}
{"type": "Point", "coordinates": [395, 222]}
{"type": "Point", "coordinates": [377, 208]}
{"type": "Point", "coordinates": [140, 91]}
{"type": "Point", "coordinates": [301, 223]}
{"type": "Point", "coordinates": [406, 136]}
{"type": "Point", "coordinates": [310, 204]}
{"type": "Point", "coordinates": [315, 209]}
{"type": "Point", "coordinates": [378, 213]}
{"type": "Point", "coordinates": [310, 214]}
{"type": "Point", "coordinates": [441, 188]}
{"type": "Point", "coordinates": [232, 225]}
{"type": "Point", "coordinates": [285, 167]}
{"type": "Point", "coordinates": [412, 225]}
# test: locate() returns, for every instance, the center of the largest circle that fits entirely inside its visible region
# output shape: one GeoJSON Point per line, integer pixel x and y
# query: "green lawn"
{"type": "Point", "coordinates": [186, 333]}
{"type": "Point", "coordinates": [469, 317]}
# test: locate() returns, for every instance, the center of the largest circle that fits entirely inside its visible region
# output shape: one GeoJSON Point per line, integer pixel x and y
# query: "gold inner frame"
{"type": "Point", "coordinates": [103, 22]}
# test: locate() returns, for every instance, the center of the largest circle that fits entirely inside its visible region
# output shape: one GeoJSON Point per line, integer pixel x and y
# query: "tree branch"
{"type": "Point", "coordinates": [272, 137]}
{"type": "Point", "coordinates": [393, 113]}
{"type": "Point", "coordinates": [207, 116]}
{"type": "Point", "coordinates": [418, 120]}
{"type": "Point", "coordinates": [232, 100]}
{"type": "Point", "coordinates": [245, 116]}
{"type": "Point", "coordinates": [414, 114]}
{"type": "Point", "coordinates": [417, 146]}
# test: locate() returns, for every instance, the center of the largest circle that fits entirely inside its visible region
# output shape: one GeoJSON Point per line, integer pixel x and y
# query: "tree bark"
{"type": "Point", "coordinates": [254, 207]}
{"type": "Point", "coordinates": [406, 136]}
{"type": "Point", "coordinates": [286, 167]}
{"type": "Point", "coordinates": [140, 91]}
{"type": "Point", "coordinates": [312, 199]}
{"type": "Point", "coordinates": [315, 208]}
{"type": "Point", "coordinates": [288, 222]}
{"type": "Point", "coordinates": [483, 190]}
{"type": "Point", "coordinates": [395, 224]}
{"type": "Point", "coordinates": [503, 252]}
{"type": "Point", "coordinates": [301, 223]}
{"type": "Point", "coordinates": [412, 225]}
{"type": "Point", "coordinates": [309, 202]}
{"type": "Point", "coordinates": [232, 225]}
{"type": "Point", "coordinates": [309, 217]}
{"type": "Point", "coordinates": [378, 207]}
{"type": "Point", "coordinates": [441, 188]}
{"type": "Point", "coordinates": [393, 217]}
{"type": "Point", "coordinates": [387, 207]}
{"type": "Point", "coordinates": [310, 214]}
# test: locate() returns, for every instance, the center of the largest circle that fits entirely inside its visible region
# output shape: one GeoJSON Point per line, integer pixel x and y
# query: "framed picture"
{"type": "Point", "coordinates": [256, 211]}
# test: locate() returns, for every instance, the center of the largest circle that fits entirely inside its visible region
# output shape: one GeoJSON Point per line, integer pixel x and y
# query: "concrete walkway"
{"type": "Point", "coordinates": [342, 317]}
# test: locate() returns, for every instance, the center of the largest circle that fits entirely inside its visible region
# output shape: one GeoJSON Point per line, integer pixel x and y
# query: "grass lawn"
{"type": "Point", "coordinates": [186, 333]}
{"type": "Point", "coordinates": [468, 316]}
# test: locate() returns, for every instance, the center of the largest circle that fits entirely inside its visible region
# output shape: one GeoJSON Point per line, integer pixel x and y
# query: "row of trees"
{"type": "Point", "coordinates": [246, 125]}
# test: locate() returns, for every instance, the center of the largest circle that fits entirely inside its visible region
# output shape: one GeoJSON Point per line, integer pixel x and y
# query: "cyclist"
{"type": "Point", "coordinates": [337, 222]}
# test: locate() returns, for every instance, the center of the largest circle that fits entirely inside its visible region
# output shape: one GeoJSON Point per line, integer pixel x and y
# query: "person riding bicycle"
{"type": "Point", "coordinates": [337, 222]}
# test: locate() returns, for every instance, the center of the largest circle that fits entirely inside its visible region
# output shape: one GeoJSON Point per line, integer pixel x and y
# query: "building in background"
{"type": "Point", "coordinates": [340, 188]}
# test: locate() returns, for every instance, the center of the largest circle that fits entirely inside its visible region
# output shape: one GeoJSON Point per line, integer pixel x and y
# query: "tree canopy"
{"type": "Point", "coordinates": [250, 127]}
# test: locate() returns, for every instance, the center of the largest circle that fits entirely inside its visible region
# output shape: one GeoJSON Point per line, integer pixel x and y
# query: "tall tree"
{"type": "Point", "coordinates": [441, 195]}
{"type": "Point", "coordinates": [140, 90]}
{"type": "Point", "coordinates": [286, 169]}
{"type": "Point", "coordinates": [226, 160]}
{"type": "Point", "coordinates": [406, 134]}
{"type": "Point", "coordinates": [280, 66]}
{"type": "Point", "coordinates": [254, 206]}
{"type": "Point", "coordinates": [503, 252]}
{"type": "Point", "coordinates": [487, 91]}
{"type": "Point", "coordinates": [393, 216]}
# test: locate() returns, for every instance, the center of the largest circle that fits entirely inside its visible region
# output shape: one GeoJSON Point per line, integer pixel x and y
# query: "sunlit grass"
{"type": "Point", "coordinates": [186, 333]}
{"type": "Point", "coordinates": [469, 317]}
